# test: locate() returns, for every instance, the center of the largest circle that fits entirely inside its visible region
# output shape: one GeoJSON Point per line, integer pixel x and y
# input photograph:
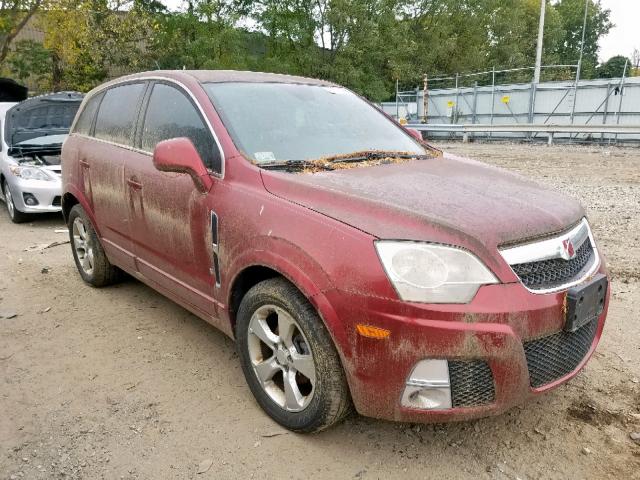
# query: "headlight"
{"type": "Point", "coordinates": [429, 273]}
{"type": "Point", "coordinates": [30, 173]}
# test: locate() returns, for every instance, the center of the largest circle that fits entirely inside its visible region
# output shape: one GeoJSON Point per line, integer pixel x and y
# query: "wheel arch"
{"type": "Point", "coordinates": [307, 277]}
{"type": "Point", "coordinates": [243, 282]}
{"type": "Point", "coordinates": [72, 196]}
{"type": "Point", "coordinates": [68, 201]}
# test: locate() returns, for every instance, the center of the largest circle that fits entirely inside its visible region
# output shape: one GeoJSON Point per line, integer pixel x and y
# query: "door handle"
{"type": "Point", "coordinates": [134, 183]}
{"type": "Point", "coordinates": [84, 163]}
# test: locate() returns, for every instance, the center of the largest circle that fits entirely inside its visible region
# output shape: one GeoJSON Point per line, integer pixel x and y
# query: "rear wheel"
{"type": "Point", "coordinates": [15, 215]}
{"type": "Point", "coordinates": [288, 358]}
{"type": "Point", "coordinates": [91, 261]}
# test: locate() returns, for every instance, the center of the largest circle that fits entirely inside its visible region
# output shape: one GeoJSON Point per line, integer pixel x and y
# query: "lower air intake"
{"type": "Point", "coordinates": [553, 357]}
{"type": "Point", "coordinates": [471, 383]}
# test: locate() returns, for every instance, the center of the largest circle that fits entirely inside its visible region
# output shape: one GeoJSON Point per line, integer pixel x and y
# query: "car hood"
{"type": "Point", "coordinates": [444, 199]}
{"type": "Point", "coordinates": [41, 116]}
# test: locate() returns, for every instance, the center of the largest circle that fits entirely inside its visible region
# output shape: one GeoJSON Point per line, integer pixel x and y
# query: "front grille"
{"type": "Point", "coordinates": [553, 273]}
{"type": "Point", "coordinates": [471, 383]}
{"type": "Point", "coordinates": [553, 357]}
{"type": "Point", "coordinates": [56, 201]}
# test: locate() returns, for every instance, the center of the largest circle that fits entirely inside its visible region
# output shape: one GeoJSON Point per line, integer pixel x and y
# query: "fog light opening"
{"type": "Point", "coordinates": [428, 387]}
{"type": "Point", "coordinates": [29, 199]}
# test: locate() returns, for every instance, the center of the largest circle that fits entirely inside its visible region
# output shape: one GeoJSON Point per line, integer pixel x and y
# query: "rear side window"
{"type": "Point", "coordinates": [170, 114]}
{"type": "Point", "coordinates": [118, 113]}
{"type": "Point", "coordinates": [85, 120]}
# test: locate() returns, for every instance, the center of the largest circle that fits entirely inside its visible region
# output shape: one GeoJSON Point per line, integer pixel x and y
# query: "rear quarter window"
{"type": "Point", "coordinates": [85, 120]}
{"type": "Point", "coordinates": [118, 114]}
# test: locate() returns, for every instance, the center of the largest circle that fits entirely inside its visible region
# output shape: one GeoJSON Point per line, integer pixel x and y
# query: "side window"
{"type": "Point", "coordinates": [118, 113]}
{"type": "Point", "coordinates": [85, 120]}
{"type": "Point", "coordinates": [170, 114]}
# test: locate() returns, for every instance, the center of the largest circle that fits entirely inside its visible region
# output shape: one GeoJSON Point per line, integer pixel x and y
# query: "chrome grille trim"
{"type": "Point", "coordinates": [553, 248]}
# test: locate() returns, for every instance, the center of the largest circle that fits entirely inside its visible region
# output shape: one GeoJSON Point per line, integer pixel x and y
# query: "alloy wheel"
{"type": "Point", "coordinates": [281, 358]}
{"type": "Point", "coordinates": [9, 201]}
{"type": "Point", "coordinates": [83, 246]}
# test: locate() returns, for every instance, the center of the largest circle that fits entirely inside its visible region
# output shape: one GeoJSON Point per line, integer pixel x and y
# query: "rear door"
{"type": "Point", "coordinates": [169, 217]}
{"type": "Point", "coordinates": [102, 162]}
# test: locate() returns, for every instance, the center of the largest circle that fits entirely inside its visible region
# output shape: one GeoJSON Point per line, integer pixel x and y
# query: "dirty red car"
{"type": "Point", "coordinates": [353, 264]}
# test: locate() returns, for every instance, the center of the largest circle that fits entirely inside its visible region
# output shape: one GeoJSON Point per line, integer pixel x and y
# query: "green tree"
{"type": "Point", "coordinates": [513, 35]}
{"type": "Point", "coordinates": [615, 67]}
{"type": "Point", "coordinates": [361, 44]}
{"type": "Point", "coordinates": [30, 62]}
{"type": "Point", "coordinates": [364, 44]}
{"type": "Point", "coordinates": [470, 35]}
{"type": "Point", "coordinates": [206, 36]}
{"type": "Point", "coordinates": [598, 24]}
{"type": "Point", "coordinates": [91, 40]}
{"type": "Point", "coordinates": [450, 36]}
{"type": "Point", "coordinates": [14, 15]}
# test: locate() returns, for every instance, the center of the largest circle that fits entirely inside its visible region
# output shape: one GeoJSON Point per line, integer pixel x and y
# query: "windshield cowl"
{"type": "Point", "coordinates": [343, 162]}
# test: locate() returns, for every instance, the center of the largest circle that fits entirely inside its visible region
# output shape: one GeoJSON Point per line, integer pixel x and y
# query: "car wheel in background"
{"type": "Point", "coordinates": [91, 261]}
{"type": "Point", "coordinates": [15, 215]}
{"type": "Point", "coordinates": [289, 359]}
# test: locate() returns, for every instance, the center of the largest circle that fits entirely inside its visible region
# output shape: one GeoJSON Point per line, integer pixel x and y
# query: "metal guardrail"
{"type": "Point", "coordinates": [550, 130]}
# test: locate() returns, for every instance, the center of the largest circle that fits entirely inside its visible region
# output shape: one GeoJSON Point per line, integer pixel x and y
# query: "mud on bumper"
{"type": "Point", "coordinates": [510, 349]}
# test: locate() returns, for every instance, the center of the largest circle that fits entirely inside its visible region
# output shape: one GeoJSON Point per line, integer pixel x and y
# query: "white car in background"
{"type": "Point", "coordinates": [32, 133]}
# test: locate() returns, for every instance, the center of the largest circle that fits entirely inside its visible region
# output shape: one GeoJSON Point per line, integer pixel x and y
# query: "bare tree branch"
{"type": "Point", "coordinates": [16, 25]}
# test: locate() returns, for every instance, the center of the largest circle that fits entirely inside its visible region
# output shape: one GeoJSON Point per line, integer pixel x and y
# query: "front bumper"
{"type": "Point", "coordinates": [47, 193]}
{"type": "Point", "coordinates": [492, 330]}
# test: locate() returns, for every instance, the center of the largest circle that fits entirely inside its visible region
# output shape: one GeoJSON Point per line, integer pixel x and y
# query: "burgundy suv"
{"type": "Point", "coordinates": [352, 263]}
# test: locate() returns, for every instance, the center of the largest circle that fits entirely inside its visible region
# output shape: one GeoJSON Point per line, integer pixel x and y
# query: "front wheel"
{"type": "Point", "coordinates": [15, 215]}
{"type": "Point", "coordinates": [288, 358]}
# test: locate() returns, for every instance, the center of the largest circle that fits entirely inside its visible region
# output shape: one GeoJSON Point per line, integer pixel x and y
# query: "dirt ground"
{"type": "Point", "coordinates": [123, 383]}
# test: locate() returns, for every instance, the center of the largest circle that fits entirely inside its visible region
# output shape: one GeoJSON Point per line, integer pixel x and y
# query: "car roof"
{"type": "Point", "coordinates": [218, 76]}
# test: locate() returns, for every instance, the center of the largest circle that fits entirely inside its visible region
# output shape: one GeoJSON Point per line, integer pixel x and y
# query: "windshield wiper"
{"type": "Point", "coordinates": [294, 165]}
{"type": "Point", "coordinates": [374, 155]}
{"type": "Point", "coordinates": [326, 163]}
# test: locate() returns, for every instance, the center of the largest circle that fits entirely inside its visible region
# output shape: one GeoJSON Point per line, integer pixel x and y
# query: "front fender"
{"type": "Point", "coordinates": [299, 268]}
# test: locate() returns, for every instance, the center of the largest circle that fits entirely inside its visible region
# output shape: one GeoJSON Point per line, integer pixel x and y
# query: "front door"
{"type": "Point", "coordinates": [170, 218]}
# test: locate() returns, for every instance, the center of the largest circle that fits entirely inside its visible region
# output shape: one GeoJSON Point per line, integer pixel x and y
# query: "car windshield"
{"type": "Point", "coordinates": [276, 122]}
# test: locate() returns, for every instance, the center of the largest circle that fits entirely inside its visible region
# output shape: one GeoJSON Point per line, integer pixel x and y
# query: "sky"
{"type": "Point", "coordinates": [623, 38]}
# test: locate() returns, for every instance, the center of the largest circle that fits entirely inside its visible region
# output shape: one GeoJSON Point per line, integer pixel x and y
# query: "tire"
{"type": "Point", "coordinates": [15, 215]}
{"type": "Point", "coordinates": [276, 305]}
{"type": "Point", "coordinates": [91, 261]}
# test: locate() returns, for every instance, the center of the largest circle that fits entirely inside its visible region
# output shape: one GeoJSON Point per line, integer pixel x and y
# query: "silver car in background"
{"type": "Point", "coordinates": [32, 133]}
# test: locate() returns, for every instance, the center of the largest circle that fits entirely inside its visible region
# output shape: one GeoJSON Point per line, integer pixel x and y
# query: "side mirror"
{"type": "Point", "coordinates": [415, 134]}
{"type": "Point", "coordinates": [180, 155]}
